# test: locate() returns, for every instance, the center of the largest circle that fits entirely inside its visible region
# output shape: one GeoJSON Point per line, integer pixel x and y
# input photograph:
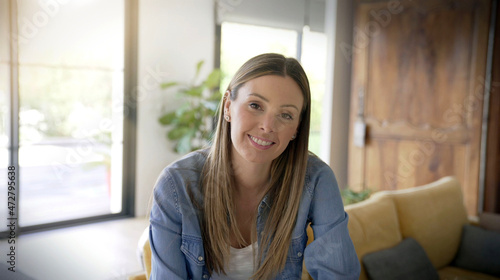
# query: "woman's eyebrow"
{"type": "Point", "coordinates": [259, 96]}
{"type": "Point", "coordinates": [266, 100]}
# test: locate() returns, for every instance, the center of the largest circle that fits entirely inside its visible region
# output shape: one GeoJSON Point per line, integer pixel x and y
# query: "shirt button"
{"type": "Point", "coordinates": [205, 276]}
{"type": "Point", "coordinates": [299, 254]}
{"type": "Point", "coordinates": [200, 258]}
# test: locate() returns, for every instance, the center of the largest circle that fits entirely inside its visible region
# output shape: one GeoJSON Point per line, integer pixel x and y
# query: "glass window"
{"type": "Point", "coordinates": [313, 60]}
{"type": "Point", "coordinates": [71, 59]}
{"type": "Point", "coordinates": [240, 42]}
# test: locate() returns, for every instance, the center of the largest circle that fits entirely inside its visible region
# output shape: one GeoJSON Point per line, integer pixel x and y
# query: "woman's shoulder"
{"type": "Point", "coordinates": [318, 173]}
{"type": "Point", "coordinates": [186, 170]}
{"type": "Point", "coordinates": [192, 161]}
{"type": "Point", "coordinates": [316, 165]}
{"type": "Point", "coordinates": [180, 181]}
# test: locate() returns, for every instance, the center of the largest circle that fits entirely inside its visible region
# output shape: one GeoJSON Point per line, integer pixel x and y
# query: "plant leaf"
{"type": "Point", "coordinates": [167, 118]}
{"type": "Point", "coordinates": [349, 196]}
{"type": "Point", "coordinates": [167, 85]}
{"type": "Point", "coordinates": [198, 68]}
{"type": "Point", "coordinates": [183, 146]}
{"type": "Point", "coordinates": [178, 132]}
{"type": "Point", "coordinates": [194, 91]}
{"type": "Point", "coordinates": [213, 79]}
{"type": "Point", "coordinates": [210, 105]}
{"type": "Point", "coordinates": [216, 96]}
{"type": "Point", "coordinates": [188, 117]}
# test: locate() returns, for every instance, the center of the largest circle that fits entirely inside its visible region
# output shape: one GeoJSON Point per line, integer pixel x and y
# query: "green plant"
{"type": "Point", "coordinates": [349, 196]}
{"type": "Point", "coordinates": [191, 125]}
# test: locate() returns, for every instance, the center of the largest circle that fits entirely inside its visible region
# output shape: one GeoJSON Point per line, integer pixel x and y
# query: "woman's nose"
{"type": "Point", "coordinates": [268, 123]}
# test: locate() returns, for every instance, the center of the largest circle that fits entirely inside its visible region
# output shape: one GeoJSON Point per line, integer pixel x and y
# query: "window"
{"type": "Point", "coordinates": [67, 137]}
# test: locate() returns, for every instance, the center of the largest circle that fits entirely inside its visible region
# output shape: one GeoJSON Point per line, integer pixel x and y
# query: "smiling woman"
{"type": "Point", "coordinates": [248, 194]}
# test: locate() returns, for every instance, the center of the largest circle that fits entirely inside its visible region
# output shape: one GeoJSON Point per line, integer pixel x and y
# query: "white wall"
{"type": "Point", "coordinates": [173, 36]}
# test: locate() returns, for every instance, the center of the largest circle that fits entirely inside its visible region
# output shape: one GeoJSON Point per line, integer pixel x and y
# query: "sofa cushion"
{"type": "Point", "coordinates": [479, 251]}
{"type": "Point", "coordinates": [434, 215]}
{"type": "Point", "coordinates": [373, 225]}
{"type": "Point", "coordinates": [407, 260]}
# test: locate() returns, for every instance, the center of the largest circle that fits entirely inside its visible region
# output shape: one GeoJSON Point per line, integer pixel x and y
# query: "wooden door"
{"type": "Point", "coordinates": [417, 83]}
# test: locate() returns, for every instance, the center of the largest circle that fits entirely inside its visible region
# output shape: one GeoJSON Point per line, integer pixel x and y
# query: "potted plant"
{"type": "Point", "coordinates": [191, 125]}
{"type": "Point", "coordinates": [350, 196]}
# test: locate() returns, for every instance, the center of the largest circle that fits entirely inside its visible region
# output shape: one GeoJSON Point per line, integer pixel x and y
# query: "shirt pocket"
{"type": "Point", "coordinates": [192, 247]}
{"type": "Point", "coordinates": [296, 250]}
{"type": "Point", "coordinates": [293, 266]}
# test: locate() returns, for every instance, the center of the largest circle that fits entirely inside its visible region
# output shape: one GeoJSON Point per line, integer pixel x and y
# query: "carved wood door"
{"type": "Point", "coordinates": [417, 84]}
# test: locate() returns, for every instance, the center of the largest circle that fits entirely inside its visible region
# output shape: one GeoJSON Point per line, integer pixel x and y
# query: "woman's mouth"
{"type": "Point", "coordinates": [262, 144]}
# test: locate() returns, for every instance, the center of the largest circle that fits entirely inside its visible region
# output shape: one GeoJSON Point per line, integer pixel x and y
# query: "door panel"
{"type": "Point", "coordinates": [421, 69]}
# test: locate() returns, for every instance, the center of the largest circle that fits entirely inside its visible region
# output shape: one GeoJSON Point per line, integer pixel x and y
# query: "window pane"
{"type": "Point", "coordinates": [71, 109]}
{"type": "Point", "coordinates": [240, 42]}
{"type": "Point", "coordinates": [83, 33]}
{"type": "Point", "coordinates": [314, 63]}
{"type": "Point", "coordinates": [63, 181]}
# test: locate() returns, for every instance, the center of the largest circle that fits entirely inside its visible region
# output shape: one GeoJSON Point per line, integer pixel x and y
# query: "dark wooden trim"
{"type": "Point", "coordinates": [492, 176]}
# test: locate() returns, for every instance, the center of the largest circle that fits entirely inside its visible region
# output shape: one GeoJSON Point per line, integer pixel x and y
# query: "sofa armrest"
{"type": "Point", "coordinates": [473, 220]}
{"type": "Point", "coordinates": [140, 276]}
{"type": "Point", "coordinates": [490, 221]}
{"type": "Point", "coordinates": [144, 253]}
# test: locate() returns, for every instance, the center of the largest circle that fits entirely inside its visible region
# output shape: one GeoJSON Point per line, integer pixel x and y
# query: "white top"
{"type": "Point", "coordinates": [240, 266]}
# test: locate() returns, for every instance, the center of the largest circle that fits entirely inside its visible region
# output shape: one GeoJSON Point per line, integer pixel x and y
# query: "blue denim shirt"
{"type": "Point", "coordinates": [175, 235]}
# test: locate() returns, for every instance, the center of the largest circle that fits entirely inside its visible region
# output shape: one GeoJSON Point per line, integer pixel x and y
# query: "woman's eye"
{"type": "Point", "coordinates": [254, 106]}
{"type": "Point", "coordinates": [287, 116]}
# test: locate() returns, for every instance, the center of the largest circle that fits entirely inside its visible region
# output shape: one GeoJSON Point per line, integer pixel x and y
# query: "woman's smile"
{"type": "Point", "coordinates": [260, 143]}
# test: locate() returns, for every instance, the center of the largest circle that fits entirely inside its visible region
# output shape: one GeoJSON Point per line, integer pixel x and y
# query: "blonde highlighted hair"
{"type": "Point", "coordinates": [287, 178]}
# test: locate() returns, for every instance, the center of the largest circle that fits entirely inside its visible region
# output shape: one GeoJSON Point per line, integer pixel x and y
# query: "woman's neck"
{"type": "Point", "coordinates": [252, 179]}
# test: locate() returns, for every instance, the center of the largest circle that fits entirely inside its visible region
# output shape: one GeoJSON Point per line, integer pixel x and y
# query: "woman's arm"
{"type": "Point", "coordinates": [168, 262]}
{"type": "Point", "coordinates": [331, 255]}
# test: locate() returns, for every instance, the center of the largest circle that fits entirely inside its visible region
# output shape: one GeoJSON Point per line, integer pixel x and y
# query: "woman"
{"type": "Point", "coordinates": [240, 209]}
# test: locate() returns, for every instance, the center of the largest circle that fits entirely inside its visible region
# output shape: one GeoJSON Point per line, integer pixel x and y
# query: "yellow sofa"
{"type": "Point", "coordinates": [433, 215]}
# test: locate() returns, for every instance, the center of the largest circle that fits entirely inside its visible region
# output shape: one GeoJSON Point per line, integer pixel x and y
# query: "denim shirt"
{"type": "Point", "coordinates": [176, 240]}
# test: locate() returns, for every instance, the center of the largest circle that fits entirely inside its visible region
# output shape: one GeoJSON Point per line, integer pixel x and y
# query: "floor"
{"type": "Point", "coordinates": [99, 251]}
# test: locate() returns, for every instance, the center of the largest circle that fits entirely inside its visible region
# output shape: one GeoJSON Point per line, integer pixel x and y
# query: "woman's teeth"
{"type": "Point", "coordinates": [260, 142]}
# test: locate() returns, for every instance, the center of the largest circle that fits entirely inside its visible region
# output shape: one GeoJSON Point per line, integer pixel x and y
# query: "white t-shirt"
{"type": "Point", "coordinates": [240, 266]}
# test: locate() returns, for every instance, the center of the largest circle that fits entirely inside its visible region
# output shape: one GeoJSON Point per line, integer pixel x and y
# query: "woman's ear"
{"type": "Point", "coordinates": [227, 101]}
{"type": "Point", "coordinates": [227, 105]}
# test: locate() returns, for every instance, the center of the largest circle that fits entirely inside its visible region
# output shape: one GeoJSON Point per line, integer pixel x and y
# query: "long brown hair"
{"type": "Point", "coordinates": [287, 178]}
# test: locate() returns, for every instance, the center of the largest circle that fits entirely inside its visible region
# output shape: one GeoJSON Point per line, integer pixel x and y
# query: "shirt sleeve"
{"type": "Point", "coordinates": [168, 261]}
{"type": "Point", "coordinates": [331, 255]}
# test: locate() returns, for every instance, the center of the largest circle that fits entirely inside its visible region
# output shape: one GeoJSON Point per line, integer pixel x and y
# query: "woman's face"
{"type": "Point", "coordinates": [264, 117]}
